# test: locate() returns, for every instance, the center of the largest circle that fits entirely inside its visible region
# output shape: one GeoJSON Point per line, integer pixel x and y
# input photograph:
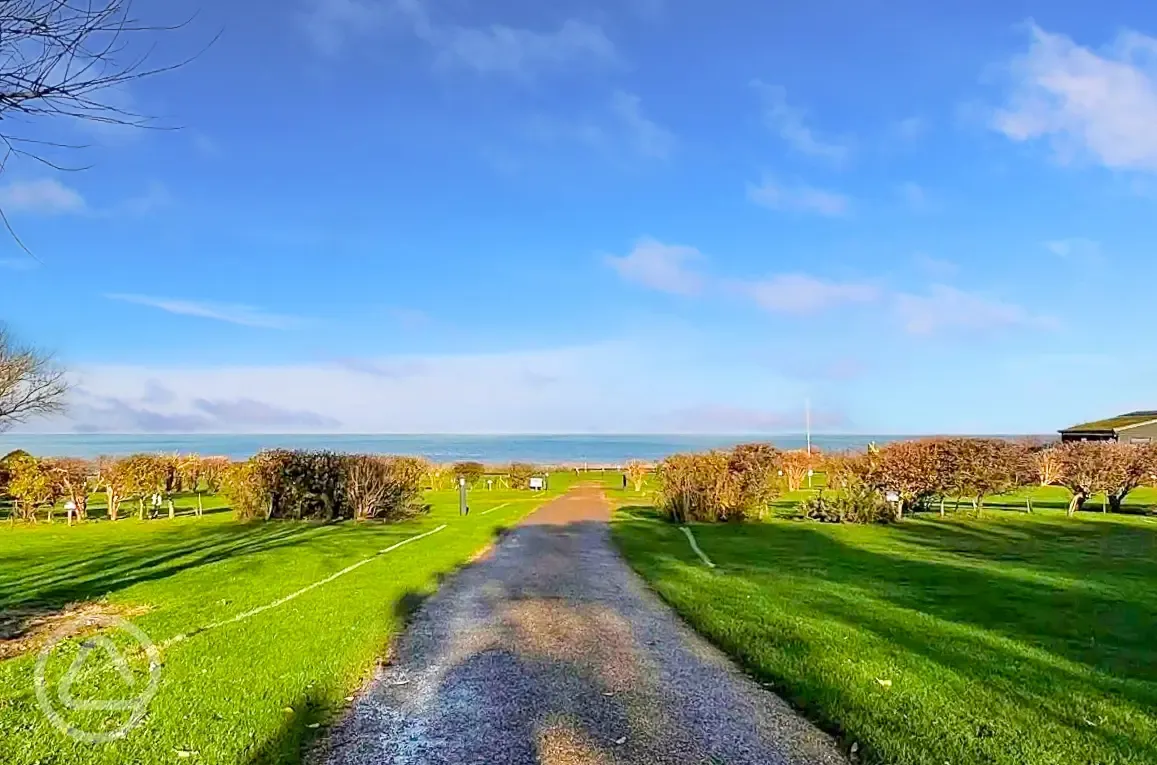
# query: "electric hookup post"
{"type": "Point", "coordinates": [463, 509]}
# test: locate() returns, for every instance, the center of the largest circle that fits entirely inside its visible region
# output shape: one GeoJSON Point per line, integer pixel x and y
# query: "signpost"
{"type": "Point", "coordinates": [537, 484]}
{"type": "Point", "coordinates": [463, 508]}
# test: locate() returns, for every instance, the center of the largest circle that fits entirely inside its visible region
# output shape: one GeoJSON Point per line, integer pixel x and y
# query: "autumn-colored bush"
{"type": "Point", "coordinates": [31, 485]}
{"type": "Point", "coordinates": [388, 488]}
{"type": "Point", "coordinates": [718, 485]}
{"type": "Point", "coordinates": [519, 475]}
{"type": "Point", "coordinates": [636, 472]}
{"type": "Point", "coordinates": [1090, 467]}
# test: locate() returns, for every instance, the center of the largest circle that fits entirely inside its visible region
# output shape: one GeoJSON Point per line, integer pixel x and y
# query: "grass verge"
{"type": "Point", "coordinates": [1019, 639]}
{"type": "Point", "coordinates": [252, 691]}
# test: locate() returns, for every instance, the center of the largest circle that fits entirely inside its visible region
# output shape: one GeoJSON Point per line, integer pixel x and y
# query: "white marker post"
{"type": "Point", "coordinates": [463, 509]}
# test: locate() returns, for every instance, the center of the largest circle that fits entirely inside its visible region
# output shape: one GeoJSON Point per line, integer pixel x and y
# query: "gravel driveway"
{"type": "Point", "coordinates": [551, 650]}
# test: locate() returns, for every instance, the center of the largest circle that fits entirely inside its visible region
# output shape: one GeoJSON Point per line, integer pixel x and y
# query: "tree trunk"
{"type": "Point", "coordinates": [942, 507]}
{"type": "Point", "coordinates": [200, 507]}
{"type": "Point", "coordinates": [172, 510]}
{"type": "Point", "coordinates": [1028, 504]}
{"type": "Point", "coordinates": [1115, 502]}
{"type": "Point", "coordinates": [1076, 503]}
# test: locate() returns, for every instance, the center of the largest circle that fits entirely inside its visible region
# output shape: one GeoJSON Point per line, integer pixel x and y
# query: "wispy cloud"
{"type": "Point", "coordinates": [804, 294]}
{"type": "Point", "coordinates": [25, 263]}
{"type": "Point", "coordinates": [948, 308]}
{"type": "Point", "coordinates": [490, 49]}
{"type": "Point", "coordinates": [45, 196]}
{"type": "Point", "coordinates": [937, 268]}
{"type": "Point", "coordinates": [1100, 105]}
{"type": "Point", "coordinates": [1077, 250]}
{"type": "Point", "coordinates": [664, 267]}
{"type": "Point", "coordinates": [807, 199]}
{"type": "Point", "coordinates": [910, 129]}
{"type": "Point", "coordinates": [788, 122]}
{"type": "Point", "coordinates": [650, 138]}
{"type": "Point", "coordinates": [915, 196]}
{"type": "Point", "coordinates": [246, 316]}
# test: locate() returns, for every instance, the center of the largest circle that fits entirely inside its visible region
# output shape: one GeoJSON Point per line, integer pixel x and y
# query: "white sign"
{"type": "Point", "coordinates": [536, 483]}
{"type": "Point", "coordinates": [892, 496]}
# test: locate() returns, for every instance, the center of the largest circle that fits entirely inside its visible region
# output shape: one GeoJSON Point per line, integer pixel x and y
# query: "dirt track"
{"type": "Point", "coordinates": [550, 650]}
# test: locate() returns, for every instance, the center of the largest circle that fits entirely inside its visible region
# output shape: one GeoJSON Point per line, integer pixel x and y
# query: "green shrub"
{"type": "Point", "coordinates": [321, 485]}
{"type": "Point", "coordinates": [850, 505]}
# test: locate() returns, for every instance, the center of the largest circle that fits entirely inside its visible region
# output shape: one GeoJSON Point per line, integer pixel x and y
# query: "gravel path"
{"type": "Point", "coordinates": [551, 650]}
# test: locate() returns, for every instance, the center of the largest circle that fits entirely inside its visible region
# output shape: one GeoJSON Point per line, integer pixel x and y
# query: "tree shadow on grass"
{"type": "Point", "coordinates": [1019, 612]}
{"type": "Point", "coordinates": [120, 564]}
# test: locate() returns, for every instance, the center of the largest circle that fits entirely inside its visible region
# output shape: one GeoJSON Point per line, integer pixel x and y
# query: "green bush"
{"type": "Point", "coordinates": [860, 504]}
{"type": "Point", "coordinates": [321, 485]}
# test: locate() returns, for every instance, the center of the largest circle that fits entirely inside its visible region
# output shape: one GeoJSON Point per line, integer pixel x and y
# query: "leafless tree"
{"type": "Point", "coordinates": [31, 384]}
{"type": "Point", "coordinates": [67, 59]}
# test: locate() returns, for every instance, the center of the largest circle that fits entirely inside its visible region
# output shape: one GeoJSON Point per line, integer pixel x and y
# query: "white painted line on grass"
{"type": "Point", "coordinates": [281, 601]}
{"type": "Point", "coordinates": [497, 507]}
{"type": "Point", "coordinates": [695, 546]}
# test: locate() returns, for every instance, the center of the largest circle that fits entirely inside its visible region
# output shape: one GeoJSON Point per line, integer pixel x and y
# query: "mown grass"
{"type": "Point", "coordinates": [1013, 638]}
{"type": "Point", "coordinates": [247, 692]}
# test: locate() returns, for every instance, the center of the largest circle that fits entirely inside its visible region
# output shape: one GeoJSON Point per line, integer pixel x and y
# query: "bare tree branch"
{"type": "Point", "coordinates": [31, 385]}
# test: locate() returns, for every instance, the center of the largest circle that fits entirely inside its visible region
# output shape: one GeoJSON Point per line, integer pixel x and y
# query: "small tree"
{"type": "Point", "coordinates": [988, 466]}
{"type": "Point", "coordinates": [636, 473]}
{"type": "Point", "coordinates": [795, 466]}
{"type": "Point", "coordinates": [74, 479]}
{"type": "Point", "coordinates": [213, 470]}
{"type": "Point", "coordinates": [112, 476]}
{"type": "Point", "coordinates": [146, 474]}
{"type": "Point", "coordinates": [1048, 466]}
{"type": "Point", "coordinates": [437, 476]}
{"type": "Point", "coordinates": [191, 470]}
{"type": "Point", "coordinates": [1085, 468]}
{"type": "Point", "coordinates": [471, 471]}
{"type": "Point", "coordinates": [31, 485]}
{"type": "Point", "coordinates": [31, 385]}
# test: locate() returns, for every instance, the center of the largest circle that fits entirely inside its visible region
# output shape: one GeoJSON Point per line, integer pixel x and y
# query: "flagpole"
{"type": "Point", "coordinates": [807, 408]}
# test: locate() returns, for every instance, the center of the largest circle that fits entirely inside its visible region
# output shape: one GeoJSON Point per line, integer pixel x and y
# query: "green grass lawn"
{"type": "Point", "coordinates": [1015, 638]}
{"type": "Point", "coordinates": [245, 692]}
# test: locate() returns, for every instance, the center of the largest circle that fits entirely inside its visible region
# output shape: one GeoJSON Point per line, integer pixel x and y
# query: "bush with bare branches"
{"type": "Point", "coordinates": [636, 472]}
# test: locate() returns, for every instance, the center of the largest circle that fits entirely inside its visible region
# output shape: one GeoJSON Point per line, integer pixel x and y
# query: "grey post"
{"type": "Point", "coordinates": [462, 507]}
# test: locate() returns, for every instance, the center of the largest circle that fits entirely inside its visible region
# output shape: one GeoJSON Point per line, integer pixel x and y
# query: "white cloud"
{"type": "Point", "coordinates": [914, 196]}
{"type": "Point", "coordinates": [45, 196]}
{"type": "Point", "coordinates": [910, 129]}
{"type": "Point", "coordinates": [561, 390]}
{"type": "Point", "coordinates": [246, 316]}
{"type": "Point", "coordinates": [788, 122]}
{"type": "Point", "coordinates": [663, 267]}
{"type": "Point", "coordinates": [803, 294]}
{"type": "Point", "coordinates": [948, 308]}
{"type": "Point", "coordinates": [651, 139]}
{"type": "Point", "coordinates": [25, 263]}
{"type": "Point", "coordinates": [1078, 250]}
{"type": "Point", "coordinates": [329, 24]}
{"type": "Point", "coordinates": [1101, 105]}
{"type": "Point", "coordinates": [939, 268]}
{"type": "Point", "coordinates": [490, 49]}
{"type": "Point", "coordinates": [776, 196]}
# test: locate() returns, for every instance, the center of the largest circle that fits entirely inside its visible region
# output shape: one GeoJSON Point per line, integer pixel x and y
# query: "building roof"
{"type": "Point", "coordinates": [1113, 424]}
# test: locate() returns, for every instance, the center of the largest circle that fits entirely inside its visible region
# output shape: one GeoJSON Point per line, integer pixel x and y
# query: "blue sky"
{"type": "Point", "coordinates": [629, 216]}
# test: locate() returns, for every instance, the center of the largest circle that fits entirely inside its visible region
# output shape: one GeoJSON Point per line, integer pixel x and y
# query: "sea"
{"type": "Point", "coordinates": [541, 449]}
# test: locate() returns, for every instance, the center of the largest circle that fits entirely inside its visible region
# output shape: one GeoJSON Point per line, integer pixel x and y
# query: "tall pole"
{"type": "Point", "coordinates": [807, 410]}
